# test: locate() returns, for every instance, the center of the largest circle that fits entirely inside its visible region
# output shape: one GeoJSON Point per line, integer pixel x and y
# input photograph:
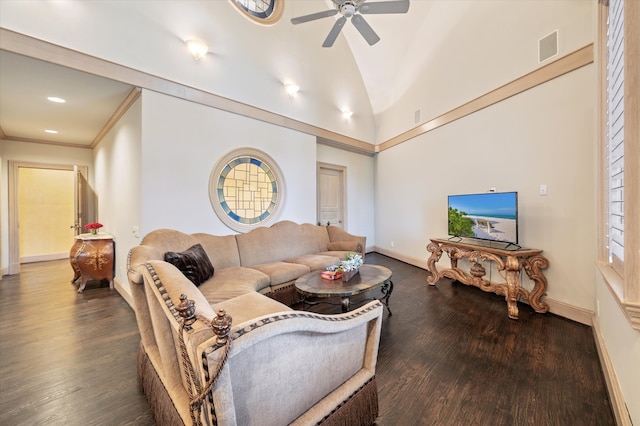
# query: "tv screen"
{"type": "Point", "coordinates": [490, 216]}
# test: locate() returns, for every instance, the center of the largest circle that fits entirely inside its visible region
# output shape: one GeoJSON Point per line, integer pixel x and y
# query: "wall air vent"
{"type": "Point", "coordinates": [548, 46]}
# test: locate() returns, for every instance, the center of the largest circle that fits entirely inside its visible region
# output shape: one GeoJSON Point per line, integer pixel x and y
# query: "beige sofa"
{"type": "Point", "coordinates": [280, 366]}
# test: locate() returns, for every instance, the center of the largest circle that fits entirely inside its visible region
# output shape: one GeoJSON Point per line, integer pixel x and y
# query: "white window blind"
{"type": "Point", "coordinates": [615, 131]}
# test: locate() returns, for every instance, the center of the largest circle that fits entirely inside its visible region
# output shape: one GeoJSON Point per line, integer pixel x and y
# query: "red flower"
{"type": "Point", "coordinates": [94, 225]}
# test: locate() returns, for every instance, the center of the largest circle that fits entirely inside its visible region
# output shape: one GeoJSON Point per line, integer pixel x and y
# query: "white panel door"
{"type": "Point", "coordinates": [81, 199]}
{"type": "Point", "coordinates": [331, 195]}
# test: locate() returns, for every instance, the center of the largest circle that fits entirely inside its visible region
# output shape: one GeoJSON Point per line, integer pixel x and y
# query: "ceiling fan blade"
{"type": "Point", "coordinates": [333, 34]}
{"type": "Point", "coordinates": [401, 6]}
{"type": "Point", "coordinates": [313, 16]}
{"type": "Point", "coordinates": [367, 32]}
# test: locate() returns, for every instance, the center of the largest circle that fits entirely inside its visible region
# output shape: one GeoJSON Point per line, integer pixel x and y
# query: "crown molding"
{"type": "Point", "coordinates": [133, 96]}
{"type": "Point", "coordinates": [561, 66]}
{"type": "Point", "coordinates": [55, 54]}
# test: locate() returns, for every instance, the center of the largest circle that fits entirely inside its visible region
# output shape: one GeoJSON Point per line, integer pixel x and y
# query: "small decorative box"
{"type": "Point", "coordinates": [331, 275]}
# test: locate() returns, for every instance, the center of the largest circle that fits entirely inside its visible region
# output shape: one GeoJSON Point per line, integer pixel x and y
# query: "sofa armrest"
{"type": "Point", "coordinates": [338, 237]}
{"type": "Point", "coordinates": [156, 300]}
{"type": "Point", "coordinates": [313, 362]}
{"type": "Point", "coordinates": [136, 258]}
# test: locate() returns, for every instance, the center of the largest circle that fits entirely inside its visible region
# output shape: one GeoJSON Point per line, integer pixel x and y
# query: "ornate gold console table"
{"type": "Point", "coordinates": [509, 264]}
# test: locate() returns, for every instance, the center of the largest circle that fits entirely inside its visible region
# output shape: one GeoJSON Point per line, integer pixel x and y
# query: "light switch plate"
{"type": "Point", "coordinates": [543, 189]}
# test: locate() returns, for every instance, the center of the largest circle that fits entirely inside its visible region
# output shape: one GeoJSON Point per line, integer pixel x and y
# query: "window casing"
{"type": "Point", "coordinates": [619, 235]}
{"type": "Point", "coordinates": [246, 189]}
{"type": "Point", "coordinates": [261, 11]}
{"type": "Point", "coordinates": [615, 135]}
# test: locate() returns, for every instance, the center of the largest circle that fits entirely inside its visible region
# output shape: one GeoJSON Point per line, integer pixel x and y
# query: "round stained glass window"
{"type": "Point", "coordinates": [263, 11]}
{"type": "Point", "coordinates": [246, 189]}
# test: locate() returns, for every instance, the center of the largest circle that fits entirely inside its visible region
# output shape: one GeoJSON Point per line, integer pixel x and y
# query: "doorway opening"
{"type": "Point", "coordinates": [45, 204]}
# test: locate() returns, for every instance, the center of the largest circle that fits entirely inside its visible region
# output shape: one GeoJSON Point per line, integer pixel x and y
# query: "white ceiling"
{"type": "Point", "coordinates": [441, 54]}
{"type": "Point", "coordinates": [25, 112]}
{"type": "Point", "coordinates": [386, 69]}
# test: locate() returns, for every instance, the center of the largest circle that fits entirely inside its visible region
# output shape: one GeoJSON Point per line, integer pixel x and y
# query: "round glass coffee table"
{"type": "Point", "coordinates": [369, 277]}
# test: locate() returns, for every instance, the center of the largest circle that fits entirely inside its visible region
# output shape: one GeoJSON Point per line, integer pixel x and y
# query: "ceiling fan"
{"type": "Point", "coordinates": [354, 9]}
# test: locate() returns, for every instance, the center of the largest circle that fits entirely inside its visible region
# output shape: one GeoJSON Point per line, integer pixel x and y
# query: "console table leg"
{"type": "Point", "coordinates": [513, 285]}
{"type": "Point", "coordinates": [533, 267]}
{"type": "Point", "coordinates": [436, 252]}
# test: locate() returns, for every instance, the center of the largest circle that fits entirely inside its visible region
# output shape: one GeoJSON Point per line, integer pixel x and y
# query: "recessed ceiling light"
{"type": "Point", "coordinates": [56, 99]}
{"type": "Point", "coordinates": [53, 132]}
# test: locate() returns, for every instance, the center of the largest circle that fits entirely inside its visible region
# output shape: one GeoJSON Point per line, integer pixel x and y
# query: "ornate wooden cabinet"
{"type": "Point", "coordinates": [92, 258]}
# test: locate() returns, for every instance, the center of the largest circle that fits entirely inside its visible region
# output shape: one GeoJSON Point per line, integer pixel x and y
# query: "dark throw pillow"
{"type": "Point", "coordinates": [193, 263]}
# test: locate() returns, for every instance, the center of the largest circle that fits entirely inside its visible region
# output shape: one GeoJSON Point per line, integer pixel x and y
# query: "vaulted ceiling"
{"type": "Point", "coordinates": [438, 56]}
{"type": "Point", "coordinates": [376, 73]}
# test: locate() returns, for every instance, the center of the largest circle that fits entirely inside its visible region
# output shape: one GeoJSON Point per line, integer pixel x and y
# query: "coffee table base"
{"type": "Point", "coordinates": [345, 301]}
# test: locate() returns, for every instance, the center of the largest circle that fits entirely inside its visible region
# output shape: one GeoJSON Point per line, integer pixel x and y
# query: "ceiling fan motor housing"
{"type": "Point", "coordinates": [348, 9]}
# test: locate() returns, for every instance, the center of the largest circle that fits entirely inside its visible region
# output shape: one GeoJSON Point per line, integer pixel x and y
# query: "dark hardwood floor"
{"type": "Point", "coordinates": [448, 356]}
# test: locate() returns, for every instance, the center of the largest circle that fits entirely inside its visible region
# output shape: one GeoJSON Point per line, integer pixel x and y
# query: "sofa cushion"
{"type": "Point", "coordinates": [193, 263]}
{"type": "Point", "coordinates": [343, 246]}
{"type": "Point", "coordinates": [249, 306]}
{"type": "Point", "coordinates": [232, 282]}
{"type": "Point", "coordinates": [341, 255]}
{"type": "Point", "coordinates": [282, 272]}
{"type": "Point", "coordinates": [315, 262]}
{"type": "Point", "coordinates": [222, 250]}
{"type": "Point", "coordinates": [166, 240]}
{"type": "Point", "coordinates": [280, 241]}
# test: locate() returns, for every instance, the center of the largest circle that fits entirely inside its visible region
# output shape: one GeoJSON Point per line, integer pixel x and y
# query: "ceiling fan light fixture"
{"type": "Point", "coordinates": [197, 48]}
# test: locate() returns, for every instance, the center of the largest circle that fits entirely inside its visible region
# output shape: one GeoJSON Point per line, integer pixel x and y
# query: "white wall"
{"type": "Point", "coordinates": [117, 164]}
{"type": "Point", "coordinates": [35, 153]}
{"type": "Point", "coordinates": [181, 143]}
{"type": "Point", "coordinates": [622, 345]}
{"type": "Point", "coordinates": [474, 47]}
{"type": "Point", "coordinates": [542, 136]}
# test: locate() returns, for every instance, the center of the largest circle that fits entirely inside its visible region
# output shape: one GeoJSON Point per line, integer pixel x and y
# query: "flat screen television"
{"type": "Point", "coordinates": [489, 216]}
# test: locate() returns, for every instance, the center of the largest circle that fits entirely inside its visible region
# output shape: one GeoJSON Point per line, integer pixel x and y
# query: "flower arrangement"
{"type": "Point", "coordinates": [353, 262]}
{"type": "Point", "coordinates": [346, 269]}
{"type": "Point", "coordinates": [93, 227]}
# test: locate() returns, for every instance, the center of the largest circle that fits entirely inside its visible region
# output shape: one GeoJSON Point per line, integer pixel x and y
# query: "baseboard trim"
{"type": "Point", "coordinates": [420, 263]}
{"type": "Point", "coordinates": [574, 313]}
{"type": "Point", "coordinates": [44, 257]}
{"type": "Point", "coordinates": [117, 284]}
{"type": "Point", "coordinates": [616, 397]}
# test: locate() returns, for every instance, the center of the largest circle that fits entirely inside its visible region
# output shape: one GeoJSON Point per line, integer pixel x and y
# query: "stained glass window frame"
{"type": "Point", "coordinates": [227, 177]}
{"type": "Point", "coordinates": [264, 15]}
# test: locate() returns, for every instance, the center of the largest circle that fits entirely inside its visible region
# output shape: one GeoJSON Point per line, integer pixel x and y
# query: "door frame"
{"type": "Point", "coordinates": [14, 225]}
{"type": "Point", "coordinates": [342, 170]}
